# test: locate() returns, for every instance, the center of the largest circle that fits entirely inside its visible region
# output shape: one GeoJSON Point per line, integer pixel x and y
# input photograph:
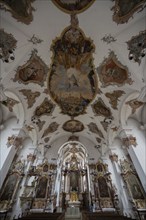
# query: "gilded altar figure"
{"type": "Point", "coordinates": [73, 196]}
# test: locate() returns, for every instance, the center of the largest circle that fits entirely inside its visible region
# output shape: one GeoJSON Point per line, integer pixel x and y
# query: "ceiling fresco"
{"type": "Point", "coordinates": [52, 128]}
{"type": "Point", "coordinates": [114, 97]}
{"type": "Point", "coordinates": [93, 128]}
{"type": "Point", "coordinates": [73, 126]}
{"type": "Point", "coordinates": [47, 107]}
{"type": "Point", "coordinates": [72, 64]}
{"type": "Point", "coordinates": [21, 10]}
{"type": "Point", "coordinates": [73, 6]}
{"type": "Point", "coordinates": [112, 72]}
{"type": "Point", "coordinates": [72, 72]}
{"type": "Point", "coordinates": [122, 13]}
{"type": "Point", "coordinates": [34, 71]}
{"type": "Point", "coordinates": [100, 109]}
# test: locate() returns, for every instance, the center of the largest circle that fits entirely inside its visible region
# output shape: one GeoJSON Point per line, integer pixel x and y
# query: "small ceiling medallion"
{"type": "Point", "coordinates": [7, 46]}
{"type": "Point", "coordinates": [124, 9]}
{"type": "Point", "coordinates": [70, 6]}
{"type": "Point", "coordinates": [137, 47]}
{"type": "Point", "coordinates": [73, 126]}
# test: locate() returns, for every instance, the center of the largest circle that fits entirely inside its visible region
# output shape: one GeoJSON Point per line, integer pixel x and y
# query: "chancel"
{"type": "Point", "coordinates": [72, 110]}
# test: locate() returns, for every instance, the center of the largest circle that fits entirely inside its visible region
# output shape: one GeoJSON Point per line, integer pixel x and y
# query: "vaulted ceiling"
{"type": "Point", "coordinates": [72, 64]}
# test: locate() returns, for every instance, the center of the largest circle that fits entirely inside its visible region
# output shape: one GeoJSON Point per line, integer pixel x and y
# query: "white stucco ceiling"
{"type": "Point", "coordinates": [96, 22]}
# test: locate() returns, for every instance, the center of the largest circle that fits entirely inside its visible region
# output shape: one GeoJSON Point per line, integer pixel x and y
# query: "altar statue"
{"type": "Point", "coordinates": [74, 196]}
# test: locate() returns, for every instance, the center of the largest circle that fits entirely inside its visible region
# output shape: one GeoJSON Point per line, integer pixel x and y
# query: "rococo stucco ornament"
{"type": "Point", "coordinates": [72, 72]}
{"type": "Point", "coordinates": [93, 128]}
{"type": "Point", "coordinates": [134, 104]}
{"type": "Point", "coordinates": [52, 128]}
{"type": "Point", "coordinates": [114, 97]}
{"type": "Point", "coordinates": [21, 10]}
{"type": "Point", "coordinates": [30, 96]}
{"type": "Point", "coordinates": [7, 46]}
{"type": "Point", "coordinates": [137, 47]}
{"type": "Point", "coordinates": [9, 103]}
{"type": "Point", "coordinates": [112, 72]}
{"type": "Point", "coordinates": [124, 10]}
{"type": "Point", "coordinates": [129, 141]}
{"type": "Point", "coordinates": [34, 71]}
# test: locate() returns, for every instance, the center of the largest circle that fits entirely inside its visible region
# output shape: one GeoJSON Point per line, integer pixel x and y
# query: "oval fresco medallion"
{"type": "Point", "coordinates": [72, 72]}
{"type": "Point", "coordinates": [70, 6]}
{"type": "Point", "coordinates": [73, 126]}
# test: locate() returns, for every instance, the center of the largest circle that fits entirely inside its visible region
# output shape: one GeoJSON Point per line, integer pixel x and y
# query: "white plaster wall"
{"type": "Point", "coordinates": [7, 153]}
{"type": "Point", "coordinates": [138, 153]}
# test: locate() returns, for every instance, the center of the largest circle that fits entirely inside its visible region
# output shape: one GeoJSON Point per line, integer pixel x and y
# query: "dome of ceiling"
{"type": "Point", "coordinates": [74, 66]}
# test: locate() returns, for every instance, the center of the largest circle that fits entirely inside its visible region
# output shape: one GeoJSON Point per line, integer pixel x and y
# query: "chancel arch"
{"type": "Point", "coordinates": [73, 172]}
